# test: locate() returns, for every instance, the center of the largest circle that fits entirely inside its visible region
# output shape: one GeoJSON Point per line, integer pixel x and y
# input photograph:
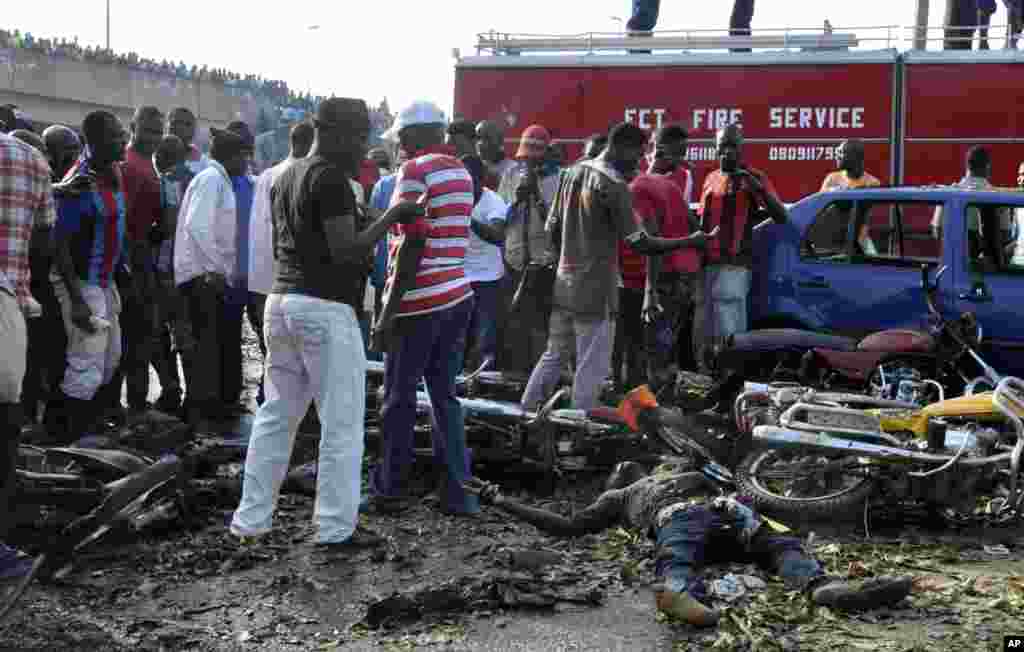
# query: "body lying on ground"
{"type": "Point", "coordinates": [694, 523]}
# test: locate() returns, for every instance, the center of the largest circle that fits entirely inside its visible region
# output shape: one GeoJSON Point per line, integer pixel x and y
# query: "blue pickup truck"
{"type": "Point", "coordinates": [849, 262]}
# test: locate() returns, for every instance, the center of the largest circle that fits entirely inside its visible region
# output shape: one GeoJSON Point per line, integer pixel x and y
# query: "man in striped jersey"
{"type": "Point", "coordinates": [433, 310]}
{"type": "Point", "coordinates": [90, 239]}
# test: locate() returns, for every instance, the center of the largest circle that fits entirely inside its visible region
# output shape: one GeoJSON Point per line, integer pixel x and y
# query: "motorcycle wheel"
{"type": "Point", "coordinates": [801, 487]}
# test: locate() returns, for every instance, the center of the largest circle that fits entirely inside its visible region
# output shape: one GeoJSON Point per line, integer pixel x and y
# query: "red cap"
{"type": "Point", "coordinates": [534, 142]}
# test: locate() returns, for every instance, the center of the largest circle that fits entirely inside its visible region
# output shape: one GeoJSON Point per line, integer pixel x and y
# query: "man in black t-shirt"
{"type": "Point", "coordinates": [323, 246]}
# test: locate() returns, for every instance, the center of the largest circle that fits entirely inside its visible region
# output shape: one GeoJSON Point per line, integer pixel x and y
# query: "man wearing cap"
{"type": "Point", "coordinates": [204, 262]}
{"type": "Point", "coordinates": [433, 300]}
{"type": "Point", "coordinates": [529, 188]}
{"type": "Point", "coordinates": [322, 245]}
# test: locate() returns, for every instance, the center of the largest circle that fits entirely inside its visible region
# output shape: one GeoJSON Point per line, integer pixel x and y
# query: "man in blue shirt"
{"type": "Point", "coordinates": [239, 300]}
{"type": "Point", "coordinates": [90, 242]}
{"type": "Point", "coordinates": [380, 199]}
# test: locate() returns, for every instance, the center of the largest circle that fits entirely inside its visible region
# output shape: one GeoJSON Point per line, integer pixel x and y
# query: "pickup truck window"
{"type": "Point", "coordinates": [995, 239]}
{"type": "Point", "coordinates": [873, 233]}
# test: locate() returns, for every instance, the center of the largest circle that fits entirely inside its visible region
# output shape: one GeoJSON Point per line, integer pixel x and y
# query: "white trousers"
{"type": "Point", "coordinates": [314, 351]}
{"type": "Point", "coordinates": [92, 357]}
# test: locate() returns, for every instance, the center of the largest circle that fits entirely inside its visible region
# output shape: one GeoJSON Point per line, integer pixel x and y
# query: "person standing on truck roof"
{"type": "Point", "coordinates": [738, 199]}
{"type": "Point", "coordinates": [739, 21]}
{"type": "Point", "coordinates": [642, 20]}
{"type": "Point", "coordinates": [529, 188]}
{"type": "Point", "coordinates": [985, 10]}
{"type": "Point", "coordinates": [490, 145]}
{"type": "Point", "coordinates": [591, 214]}
{"type": "Point", "coordinates": [1014, 22]}
{"type": "Point", "coordinates": [851, 174]}
{"type": "Point", "coordinates": [961, 16]}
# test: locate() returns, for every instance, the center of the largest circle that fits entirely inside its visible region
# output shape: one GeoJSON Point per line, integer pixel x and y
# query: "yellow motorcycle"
{"type": "Point", "coordinates": [818, 456]}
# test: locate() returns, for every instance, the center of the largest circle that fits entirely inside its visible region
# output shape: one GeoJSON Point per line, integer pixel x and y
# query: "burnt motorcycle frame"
{"type": "Point", "coordinates": [887, 468]}
{"type": "Point", "coordinates": [106, 487]}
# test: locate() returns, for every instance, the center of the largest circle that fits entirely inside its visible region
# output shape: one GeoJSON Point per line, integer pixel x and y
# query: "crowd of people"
{"type": "Point", "coordinates": [126, 248]}
{"type": "Point", "coordinates": [276, 91]}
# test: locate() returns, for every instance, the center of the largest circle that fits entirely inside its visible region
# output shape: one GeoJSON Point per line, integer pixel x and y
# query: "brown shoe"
{"type": "Point", "coordinates": [685, 608]}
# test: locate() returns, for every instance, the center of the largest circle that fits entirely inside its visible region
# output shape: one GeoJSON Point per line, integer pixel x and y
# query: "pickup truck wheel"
{"type": "Point", "coordinates": [804, 487]}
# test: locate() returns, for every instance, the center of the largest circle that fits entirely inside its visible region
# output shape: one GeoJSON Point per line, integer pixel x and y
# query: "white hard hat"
{"type": "Point", "coordinates": [418, 113]}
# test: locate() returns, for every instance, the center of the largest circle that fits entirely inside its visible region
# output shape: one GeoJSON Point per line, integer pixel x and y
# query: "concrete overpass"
{"type": "Point", "coordinates": [59, 89]}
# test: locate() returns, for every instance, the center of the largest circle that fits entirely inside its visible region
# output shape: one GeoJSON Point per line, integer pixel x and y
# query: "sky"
{"type": "Point", "coordinates": [398, 49]}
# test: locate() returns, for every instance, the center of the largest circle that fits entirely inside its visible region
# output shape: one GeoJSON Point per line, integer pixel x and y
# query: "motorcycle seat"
{"type": "Point", "coordinates": [773, 339]}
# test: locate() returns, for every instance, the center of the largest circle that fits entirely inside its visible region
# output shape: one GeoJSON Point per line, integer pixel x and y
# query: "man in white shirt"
{"type": "Point", "coordinates": [204, 259]}
{"type": "Point", "coordinates": [261, 225]}
{"type": "Point", "coordinates": [484, 265]}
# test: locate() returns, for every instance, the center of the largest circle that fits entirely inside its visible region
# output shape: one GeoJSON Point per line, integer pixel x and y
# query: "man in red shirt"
{"type": "Point", "coordinates": [669, 159]}
{"type": "Point", "coordinates": [738, 199]}
{"type": "Point", "coordinates": [138, 313]}
{"type": "Point", "coordinates": [659, 203]}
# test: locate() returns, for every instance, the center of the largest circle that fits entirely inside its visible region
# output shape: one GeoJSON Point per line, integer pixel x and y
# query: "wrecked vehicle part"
{"type": "Point", "coordinates": [503, 590]}
{"type": "Point", "coordinates": [573, 439]}
{"type": "Point", "coordinates": [124, 499]}
{"type": "Point", "coordinates": [951, 470]}
{"type": "Point", "coordinates": [97, 460]}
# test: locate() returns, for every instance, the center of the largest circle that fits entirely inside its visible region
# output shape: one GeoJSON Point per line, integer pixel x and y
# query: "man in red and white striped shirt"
{"type": "Point", "coordinates": [433, 314]}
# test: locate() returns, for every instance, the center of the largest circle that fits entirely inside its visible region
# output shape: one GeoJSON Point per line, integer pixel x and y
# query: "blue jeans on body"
{"type": "Point", "coordinates": [645, 15]}
{"type": "Point", "coordinates": [700, 535]}
{"type": "Point", "coordinates": [483, 326]}
{"type": "Point", "coordinates": [429, 347]}
{"type": "Point", "coordinates": [314, 351]}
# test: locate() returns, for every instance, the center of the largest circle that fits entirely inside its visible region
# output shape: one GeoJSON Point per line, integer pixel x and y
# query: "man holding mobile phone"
{"type": "Point", "coordinates": [737, 199]}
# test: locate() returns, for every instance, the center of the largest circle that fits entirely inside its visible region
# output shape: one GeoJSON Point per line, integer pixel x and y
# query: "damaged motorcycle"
{"type": "Point", "coordinates": [911, 366]}
{"type": "Point", "coordinates": [818, 457]}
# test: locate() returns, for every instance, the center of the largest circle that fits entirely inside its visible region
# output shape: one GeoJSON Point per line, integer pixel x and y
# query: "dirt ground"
{"type": "Point", "coordinates": [191, 586]}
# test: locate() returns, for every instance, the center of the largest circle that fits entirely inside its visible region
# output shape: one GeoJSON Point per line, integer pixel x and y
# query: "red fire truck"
{"type": "Point", "coordinates": [918, 111]}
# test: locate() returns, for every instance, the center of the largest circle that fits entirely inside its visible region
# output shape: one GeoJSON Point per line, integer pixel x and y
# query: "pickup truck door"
{"type": "Point", "coordinates": [992, 285]}
{"type": "Point", "coordinates": [848, 290]}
